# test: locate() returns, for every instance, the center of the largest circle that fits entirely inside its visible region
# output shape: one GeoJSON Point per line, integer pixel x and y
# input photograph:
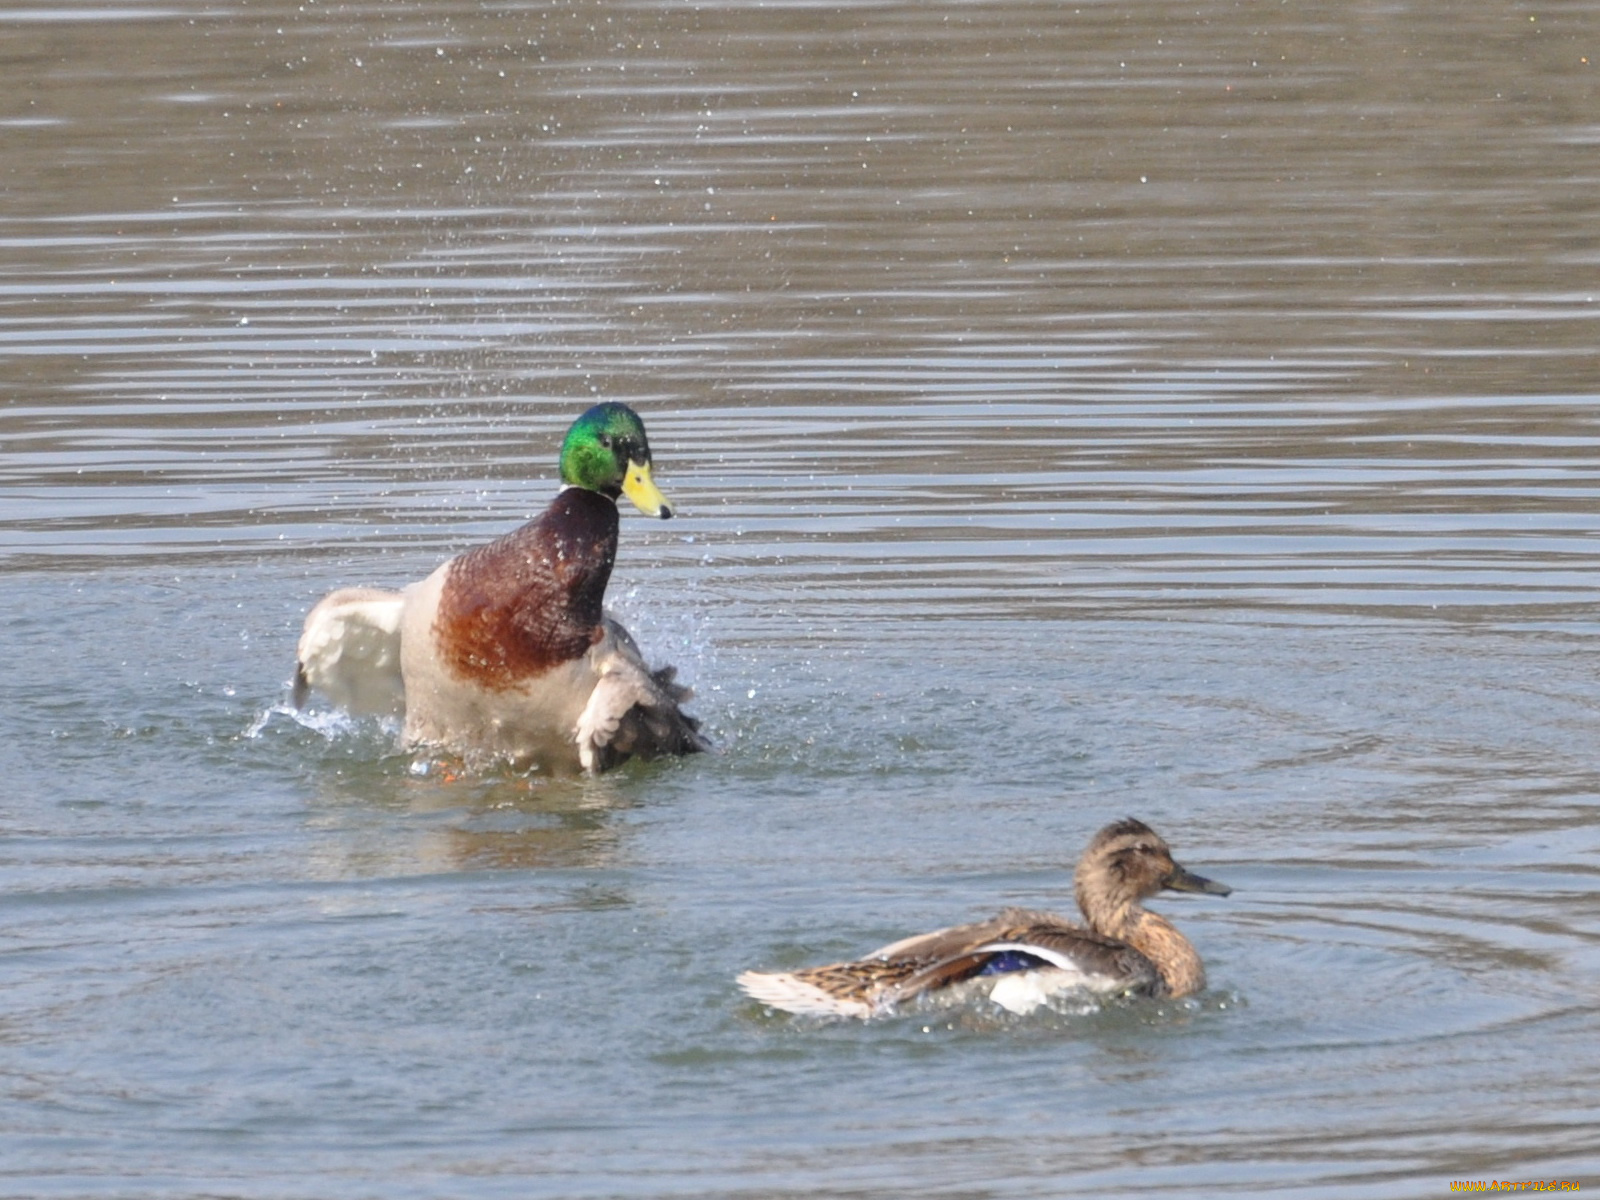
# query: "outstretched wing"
{"type": "Point", "coordinates": [1016, 945]}
{"type": "Point", "coordinates": [633, 711]}
{"type": "Point", "coordinates": [839, 991]}
{"type": "Point", "coordinates": [350, 652]}
{"type": "Point", "coordinates": [959, 939]}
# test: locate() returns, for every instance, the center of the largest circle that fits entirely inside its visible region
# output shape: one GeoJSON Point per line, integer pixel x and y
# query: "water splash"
{"type": "Point", "coordinates": [330, 724]}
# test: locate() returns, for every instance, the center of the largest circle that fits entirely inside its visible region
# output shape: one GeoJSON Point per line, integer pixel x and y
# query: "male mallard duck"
{"type": "Point", "coordinates": [505, 652]}
{"type": "Point", "coordinates": [1024, 957]}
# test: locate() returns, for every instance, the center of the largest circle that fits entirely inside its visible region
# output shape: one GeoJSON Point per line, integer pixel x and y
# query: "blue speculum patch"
{"type": "Point", "coordinates": [1007, 961]}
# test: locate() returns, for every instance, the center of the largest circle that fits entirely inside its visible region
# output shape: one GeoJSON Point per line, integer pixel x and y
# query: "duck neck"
{"type": "Point", "coordinates": [1153, 936]}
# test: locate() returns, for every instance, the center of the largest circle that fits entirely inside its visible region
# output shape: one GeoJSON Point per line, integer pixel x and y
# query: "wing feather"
{"type": "Point", "coordinates": [790, 993]}
{"type": "Point", "coordinates": [350, 652]}
{"type": "Point", "coordinates": [633, 710]}
{"type": "Point", "coordinates": [1077, 958]}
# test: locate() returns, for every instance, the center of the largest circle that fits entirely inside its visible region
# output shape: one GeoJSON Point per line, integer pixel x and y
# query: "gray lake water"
{"type": "Point", "coordinates": [1187, 411]}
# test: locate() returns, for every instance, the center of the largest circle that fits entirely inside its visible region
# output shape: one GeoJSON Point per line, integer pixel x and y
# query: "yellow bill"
{"type": "Point", "coordinates": [642, 490]}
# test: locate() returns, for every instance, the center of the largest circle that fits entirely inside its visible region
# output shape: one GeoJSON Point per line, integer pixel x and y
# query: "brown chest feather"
{"type": "Point", "coordinates": [526, 602]}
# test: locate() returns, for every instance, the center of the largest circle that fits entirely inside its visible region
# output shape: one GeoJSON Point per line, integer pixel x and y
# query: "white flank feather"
{"type": "Point", "coordinates": [1021, 992]}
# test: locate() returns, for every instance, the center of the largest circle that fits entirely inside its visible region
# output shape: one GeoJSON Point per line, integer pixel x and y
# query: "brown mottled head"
{"type": "Point", "coordinates": [1127, 862]}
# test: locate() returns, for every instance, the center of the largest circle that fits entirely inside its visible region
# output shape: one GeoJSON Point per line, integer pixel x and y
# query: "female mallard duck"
{"type": "Point", "coordinates": [1022, 957]}
{"type": "Point", "coordinates": [505, 652]}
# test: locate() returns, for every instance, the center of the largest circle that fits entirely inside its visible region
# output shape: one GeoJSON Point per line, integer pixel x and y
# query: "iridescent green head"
{"type": "Point", "coordinates": [606, 452]}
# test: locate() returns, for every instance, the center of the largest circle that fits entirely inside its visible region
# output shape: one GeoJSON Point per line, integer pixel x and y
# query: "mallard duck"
{"type": "Point", "coordinates": [1024, 957]}
{"type": "Point", "coordinates": [505, 652]}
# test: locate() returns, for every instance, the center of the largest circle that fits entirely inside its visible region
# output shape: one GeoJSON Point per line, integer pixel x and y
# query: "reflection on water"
{"type": "Point", "coordinates": [497, 824]}
{"type": "Point", "coordinates": [360, 781]}
{"type": "Point", "coordinates": [1179, 411]}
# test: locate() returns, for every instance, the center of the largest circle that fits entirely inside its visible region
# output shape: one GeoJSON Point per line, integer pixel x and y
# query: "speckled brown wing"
{"type": "Point", "coordinates": [866, 986]}
{"type": "Point", "coordinates": [860, 982]}
{"type": "Point", "coordinates": [958, 939]}
{"type": "Point", "coordinates": [847, 989]}
{"type": "Point", "coordinates": [932, 962]}
{"type": "Point", "coordinates": [950, 956]}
